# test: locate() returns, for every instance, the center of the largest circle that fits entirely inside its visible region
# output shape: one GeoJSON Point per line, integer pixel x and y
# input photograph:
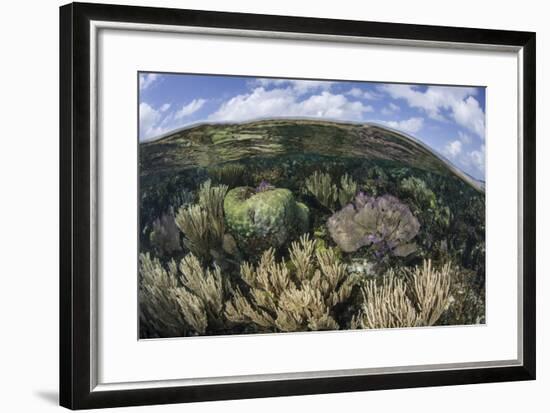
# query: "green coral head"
{"type": "Point", "coordinates": [259, 220]}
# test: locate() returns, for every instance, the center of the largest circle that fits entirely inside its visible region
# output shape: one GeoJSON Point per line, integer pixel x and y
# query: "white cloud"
{"type": "Point", "coordinates": [393, 107]}
{"type": "Point", "coordinates": [154, 122]}
{"type": "Point", "coordinates": [262, 103]}
{"type": "Point", "coordinates": [452, 149]}
{"type": "Point", "coordinates": [147, 79]}
{"type": "Point", "coordinates": [469, 114]}
{"type": "Point", "coordinates": [150, 120]}
{"type": "Point", "coordinates": [411, 125]}
{"type": "Point", "coordinates": [148, 117]}
{"type": "Point", "coordinates": [364, 94]}
{"type": "Point", "coordinates": [390, 109]}
{"type": "Point", "coordinates": [355, 92]}
{"type": "Point", "coordinates": [476, 159]}
{"type": "Point", "coordinates": [436, 100]}
{"type": "Point", "coordinates": [300, 87]}
{"type": "Point", "coordinates": [472, 161]}
{"type": "Point", "coordinates": [190, 108]}
{"type": "Point", "coordinates": [464, 138]}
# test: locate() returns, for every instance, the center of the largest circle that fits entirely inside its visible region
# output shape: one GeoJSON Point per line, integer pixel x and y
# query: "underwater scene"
{"type": "Point", "coordinates": [280, 205]}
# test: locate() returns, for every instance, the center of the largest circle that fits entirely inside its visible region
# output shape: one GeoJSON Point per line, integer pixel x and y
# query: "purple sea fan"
{"type": "Point", "coordinates": [264, 186]}
{"type": "Point", "coordinates": [384, 222]}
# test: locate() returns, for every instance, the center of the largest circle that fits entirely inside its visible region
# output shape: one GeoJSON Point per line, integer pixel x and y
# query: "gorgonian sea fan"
{"type": "Point", "coordinates": [382, 222]}
{"type": "Point", "coordinates": [264, 186]}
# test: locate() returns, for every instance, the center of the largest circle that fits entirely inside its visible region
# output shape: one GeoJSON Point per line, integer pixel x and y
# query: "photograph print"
{"type": "Point", "coordinates": [276, 205]}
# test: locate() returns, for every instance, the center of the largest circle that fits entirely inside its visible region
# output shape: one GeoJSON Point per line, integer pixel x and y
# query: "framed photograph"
{"type": "Point", "coordinates": [257, 206]}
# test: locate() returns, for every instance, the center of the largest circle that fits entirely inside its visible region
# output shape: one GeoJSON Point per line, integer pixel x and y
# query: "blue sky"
{"type": "Point", "coordinates": [450, 119]}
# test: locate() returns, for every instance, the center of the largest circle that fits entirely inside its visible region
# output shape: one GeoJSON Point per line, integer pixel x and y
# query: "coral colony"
{"type": "Point", "coordinates": [289, 225]}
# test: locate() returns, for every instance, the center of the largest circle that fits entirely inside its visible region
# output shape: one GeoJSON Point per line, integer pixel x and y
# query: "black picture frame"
{"type": "Point", "coordinates": [75, 219]}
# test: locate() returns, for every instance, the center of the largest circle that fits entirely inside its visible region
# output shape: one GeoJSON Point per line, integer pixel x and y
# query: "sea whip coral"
{"type": "Point", "coordinates": [383, 222]}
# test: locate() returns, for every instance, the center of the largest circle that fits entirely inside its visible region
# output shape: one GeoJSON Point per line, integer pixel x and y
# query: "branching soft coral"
{"type": "Point", "coordinates": [295, 296]}
{"type": "Point", "coordinates": [430, 290]}
{"type": "Point", "coordinates": [173, 303]}
{"type": "Point", "coordinates": [158, 298]}
{"type": "Point", "coordinates": [203, 224]}
{"type": "Point", "coordinates": [321, 186]}
{"type": "Point", "coordinates": [417, 299]}
{"type": "Point", "coordinates": [205, 293]}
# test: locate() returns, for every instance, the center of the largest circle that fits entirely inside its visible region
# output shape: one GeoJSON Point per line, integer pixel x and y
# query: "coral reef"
{"type": "Point", "coordinates": [202, 300]}
{"type": "Point", "coordinates": [321, 186]}
{"type": "Point", "coordinates": [417, 299]}
{"type": "Point", "coordinates": [361, 267]}
{"type": "Point", "coordinates": [269, 218]}
{"type": "Point", "coordinates": [189, 301]}
{"type": "Point", "coordinates": [181, 198]}
{"type": "Point", "coordinates": [418, 191]}
{"type": "Point", "coordinates": [280, 225]}
{"type": "Point", "coordinates": [158, 201]}
{"type": "Point", "coordinates": [159, 307]}
{"type": "Point", "coordinates": [193, 221]}
{"type": "Point", "coordinates": [232, 174]}
{"type": "Point", "coordinates": [466, 301]}
{"type": "Point", "coordinates": [203, 224]}
{"type": "Point", "coordinates": [264, 186]}
{"type": "Point", "coordinates": [434, 214]}
{"type": "Point", "coordinates": [430, 290]}
{"type": "Point", "coordinates": [386, 305]}
{"type": "Point", "coordinates": [383, 222]}
{"type": "Point", "coordinates": [296, 296]}
{"type": "Point", "coordinates": [211, 200]}
{"type": "Point", "coordinates": [165, 235]}
{"type": "Point", "coordinates": [348, 189]}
